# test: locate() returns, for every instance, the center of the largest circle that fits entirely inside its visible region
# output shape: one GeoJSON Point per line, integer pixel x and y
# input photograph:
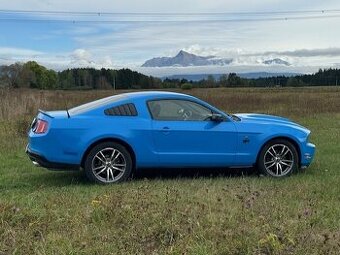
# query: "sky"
{"type": "Point", "coordinates": [126, 33]}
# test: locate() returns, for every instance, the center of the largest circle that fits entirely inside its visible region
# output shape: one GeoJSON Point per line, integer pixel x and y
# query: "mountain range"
{"type": "Point", "coordinates": [186, 59]}
{"type": "Point", "coordinates": [252, 75]}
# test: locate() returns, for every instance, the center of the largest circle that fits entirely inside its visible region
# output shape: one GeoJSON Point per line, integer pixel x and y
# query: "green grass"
{"type": "Point", "coordinates": [204, 212]}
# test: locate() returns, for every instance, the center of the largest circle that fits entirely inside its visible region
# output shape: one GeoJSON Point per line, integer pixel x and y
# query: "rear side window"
{"type": "Point", "coordinates": [122, 110]}
{"type": "Point", "coordinates": [95, 104]}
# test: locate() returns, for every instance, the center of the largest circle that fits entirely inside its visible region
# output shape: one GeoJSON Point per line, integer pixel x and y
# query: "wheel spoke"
{"type": "Point", "coordinates": [107, 175]}
{"type": "Point", "coordinates": [111, 173]}
{"type": "Point", "coordinates": [118, 154]}
{"type": "Point", "coordinates": [283, 150]}
{"type": "Point", "coordinates": [102, 154]}
{"type": "Point", "coordinates": [277, 168]}
{"type": "Point", "coordinates": [275, 153]}
{"type": "Point", "coordinates": [99, 167]}
{"type": "Point", "coordinates": [118, 169]}
{"type": "Point", "coordinates": [287, 160]}
{"type": "Point", "coordinates": [268, 162]}
{"type": "Point", "coordinates": [280, 167]}
{"type": "Point", "coordinates": [113, 153]}
{"type": "Point", "coordinates": [285, 153]}
{"type": "Point", "coordinates": [117, 165]}
{"type": "Point", "coordinates": [284, 163]}
{"type": "Point", "coordinates": [271, 165]}
{"type": "Point", "coordinates": [98, 173]}
{"type": "Point", "coordinates": [271, 153]}
{"type": "Point", "coordinates": [103, 161]}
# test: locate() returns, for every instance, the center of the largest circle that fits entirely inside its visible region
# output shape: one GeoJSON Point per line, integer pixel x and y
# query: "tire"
{"type": "Point", "coordinates": [107, 163]}
{"type": "Point", "coordinates": [278, 158]}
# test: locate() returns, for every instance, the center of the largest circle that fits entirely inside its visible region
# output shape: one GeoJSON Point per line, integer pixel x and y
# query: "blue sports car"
{"type": "Point", "coordinates": [111, 137]}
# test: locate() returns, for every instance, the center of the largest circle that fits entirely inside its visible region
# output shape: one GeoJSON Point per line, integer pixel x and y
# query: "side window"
{"type": "Point", "coordinates": [178, 110]}
{"type": "Point", "coordinates": [122, 110]}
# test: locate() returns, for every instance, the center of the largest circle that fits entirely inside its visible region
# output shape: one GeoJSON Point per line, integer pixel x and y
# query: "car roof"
{"type": "Point", "coordinates": [147, 95]}
{"type": "Point", "coordinates": [154, 94]}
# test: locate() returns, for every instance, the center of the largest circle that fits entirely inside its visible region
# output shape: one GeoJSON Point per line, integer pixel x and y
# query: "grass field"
{"type": "Point", "coordinates": [178, 212]}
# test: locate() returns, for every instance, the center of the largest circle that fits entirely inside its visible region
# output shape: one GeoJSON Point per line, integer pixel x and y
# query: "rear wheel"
{"type": "Point", "coordinates": [107, 163]}
{"type": "Point", "coordinates": [278, 158]}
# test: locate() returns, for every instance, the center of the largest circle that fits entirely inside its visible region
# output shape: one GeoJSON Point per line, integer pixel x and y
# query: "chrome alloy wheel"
{"type": "Point", "coordinates": [278, 160]}
{"type": "Point", "coordinates": [108, 165]}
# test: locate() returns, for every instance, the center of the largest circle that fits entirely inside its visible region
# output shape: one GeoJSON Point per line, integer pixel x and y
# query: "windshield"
{"type": "Point", "coordinates": [95, 104]}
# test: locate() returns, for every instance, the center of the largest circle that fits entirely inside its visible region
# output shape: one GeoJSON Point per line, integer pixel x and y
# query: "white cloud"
{"type": "Point", "coordinates": [8, 52]}
{"type": "Point", "coordinates": [81, 55]}
{"type": "Point", "coordinates": [326, 52]}
{"type": "Point", "coordinates": [243, 61]}
{"type": "Point", "coordinates": [128, 44]}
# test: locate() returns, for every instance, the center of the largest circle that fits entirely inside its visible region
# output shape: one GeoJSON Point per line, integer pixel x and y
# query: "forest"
{"type": "Point", "coordinates": [33, 75]}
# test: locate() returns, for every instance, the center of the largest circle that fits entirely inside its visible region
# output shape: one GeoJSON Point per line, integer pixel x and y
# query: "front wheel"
{"type": "Point", "coordinates": [108, 162]}
{"type": "Point", "coordinates": [278, 158]}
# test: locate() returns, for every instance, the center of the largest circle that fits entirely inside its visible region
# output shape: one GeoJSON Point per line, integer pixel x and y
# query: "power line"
{"type": "Point", "coordinates": [168, 21]}
{"type": "Point", "coordinates": [116, 17]}
{"type": "Point", "coordinates": [325, 11]}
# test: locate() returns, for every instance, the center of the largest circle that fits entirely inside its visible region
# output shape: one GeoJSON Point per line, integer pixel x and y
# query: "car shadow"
{"type": "Point", "coordinates": [54, 179]}
{"type": "Point", "coordinates": [176, 173]}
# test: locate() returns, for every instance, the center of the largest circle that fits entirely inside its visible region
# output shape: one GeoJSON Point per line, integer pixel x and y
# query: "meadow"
{"type": "Point", "coordinates": [207, 211]}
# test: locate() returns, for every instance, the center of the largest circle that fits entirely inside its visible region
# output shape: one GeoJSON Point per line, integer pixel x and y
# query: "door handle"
{"type": "Point", "coordinates": [165, 130]}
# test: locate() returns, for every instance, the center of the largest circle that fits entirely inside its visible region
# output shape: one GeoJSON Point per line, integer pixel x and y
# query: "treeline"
{"type": "Point", "coordinates": [33, 75]}
{"type": "Point", "coordinates": [324, 77]}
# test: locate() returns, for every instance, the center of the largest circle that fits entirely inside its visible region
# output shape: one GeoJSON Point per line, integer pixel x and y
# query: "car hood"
{"type": "Point", "coordinates": [269, 119]}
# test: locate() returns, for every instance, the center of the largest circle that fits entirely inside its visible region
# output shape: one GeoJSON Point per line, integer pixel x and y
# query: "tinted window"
{"type": "Point", "coordinates": [122, 110]}
{"type": "Point", "coordinates": [178, 110]}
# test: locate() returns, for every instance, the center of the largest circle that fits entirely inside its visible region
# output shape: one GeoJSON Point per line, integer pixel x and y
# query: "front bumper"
{"type": "Point", "coordinates": [307, 155]}
{"type": "Point", "coordinates": [39, 160]}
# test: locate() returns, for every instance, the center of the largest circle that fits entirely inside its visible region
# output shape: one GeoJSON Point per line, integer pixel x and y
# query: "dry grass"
{"type": "Point", "coordinates": [305, 101]}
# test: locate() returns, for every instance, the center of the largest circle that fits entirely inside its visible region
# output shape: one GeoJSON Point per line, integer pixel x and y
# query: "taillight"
{"type": "Point", "coordinates": [40, 127]}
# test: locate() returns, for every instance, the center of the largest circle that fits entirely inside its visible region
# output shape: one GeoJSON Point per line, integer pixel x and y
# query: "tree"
{"type": "Point", "coordinates": [224, 80]}
{"type": "Point", "coordinates": [44, 79]}
{"type": "Point", "coordinates": [295, 82]}
{"type": "Point", "coordinates": [211, 81]}
{"type": "Point", "coordinates": [234, 80]}
{"type": "Point", "coordinates": [186, 86]}
{"type": "Point", "coordinates": [15, 76]}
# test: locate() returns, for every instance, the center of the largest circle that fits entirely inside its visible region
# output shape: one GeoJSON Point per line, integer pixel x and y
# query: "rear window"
{"type": "Point", "coordinates": [95, 104]}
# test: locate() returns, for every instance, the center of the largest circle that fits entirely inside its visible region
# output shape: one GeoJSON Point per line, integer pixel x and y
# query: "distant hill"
{"type": "Point", "coordinates": [184, 59]}
{"type": "Point", "coordinates": [254, 75]}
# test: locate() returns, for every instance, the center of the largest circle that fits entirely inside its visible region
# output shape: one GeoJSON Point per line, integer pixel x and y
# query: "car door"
{"type": "Point", "coordinates": [183, 135]}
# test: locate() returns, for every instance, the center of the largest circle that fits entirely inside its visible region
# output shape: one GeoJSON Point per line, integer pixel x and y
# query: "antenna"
{"type": "Point", "coordinates": [66, 108]}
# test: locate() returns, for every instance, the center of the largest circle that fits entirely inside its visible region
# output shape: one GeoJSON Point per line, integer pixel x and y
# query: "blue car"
{"type": "Point", "coordinates": [111, 137]}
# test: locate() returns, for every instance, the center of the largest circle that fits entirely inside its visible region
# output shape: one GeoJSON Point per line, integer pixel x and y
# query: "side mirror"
{"type": "Point", "coordinates": [217, 117]}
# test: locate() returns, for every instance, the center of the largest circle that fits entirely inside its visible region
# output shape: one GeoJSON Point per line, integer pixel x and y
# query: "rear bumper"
{"type": "Point", "coordinates": [39, 160]}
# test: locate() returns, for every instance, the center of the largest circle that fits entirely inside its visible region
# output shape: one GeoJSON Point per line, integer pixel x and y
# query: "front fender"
{"type": "Point", "coordinates": [251, 140]}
